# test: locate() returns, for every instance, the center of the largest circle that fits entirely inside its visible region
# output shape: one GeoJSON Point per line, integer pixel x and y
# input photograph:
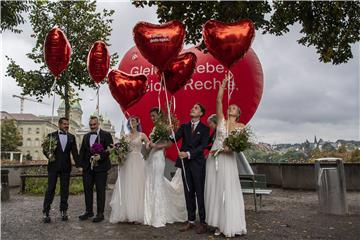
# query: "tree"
{"type": "Point", "coordinates": [355, 156]}
{"type": "Point", "coordinates": [11, 138]}
{"type": "Point", "coordinates": [331, 27]}
{"type": "Point", "coordinates": [342, 148]}
{"type": "Point", "coordinates": [11, 14]}
{"type": "Point", "coordinates": [83, 26]}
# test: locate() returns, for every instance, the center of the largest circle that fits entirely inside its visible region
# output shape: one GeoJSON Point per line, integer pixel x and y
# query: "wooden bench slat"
{"type": "Point", "coordinates": [257, 191]}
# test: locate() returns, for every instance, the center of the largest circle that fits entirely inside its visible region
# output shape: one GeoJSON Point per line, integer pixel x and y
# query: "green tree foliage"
{"type": "Point", "coordinates": [11, 138]}
{"type": "Point", "coordinates": [11, 14]}
{"type": "Point", "coordinates": [330, 27]}
{"type": "Point", "coordinates": [82, 25]}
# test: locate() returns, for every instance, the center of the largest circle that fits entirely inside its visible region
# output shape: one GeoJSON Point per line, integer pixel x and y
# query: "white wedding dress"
{"type": "Point", "coordinates": [127, 201]}
{"type": "Point", "coordinates": [164, 200]}
{"type": "Point", "coordinates": [224, 202]}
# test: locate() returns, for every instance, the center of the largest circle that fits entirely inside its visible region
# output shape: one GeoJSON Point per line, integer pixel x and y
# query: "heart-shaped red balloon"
{"type": "Point", "coordinates": [57, 51]}
{"type": "Point", "coordinates": [179, 71]}
{"type": "Point", "coordinates": [228, 42]}
{"type": "Point", "coordinates": [159, 44]}
{"type": "Point", "coordinates": [98, 61]}
{"type": "Point", "coordinates": [127, 89]}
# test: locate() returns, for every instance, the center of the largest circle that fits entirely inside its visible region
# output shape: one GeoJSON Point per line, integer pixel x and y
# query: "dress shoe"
{"type": "Point", "coordinates": [46, 217]}
{"type": "Point", "coordinates": [187, 227]}
{"type": "Point", "coordinates": [201, 228]}
{"type": "Point", "coordinates": [99, 217]}
{"type": "Point", "coordinates": [86, 216]}
{"type": "Point", "coordinates": [64, 216]}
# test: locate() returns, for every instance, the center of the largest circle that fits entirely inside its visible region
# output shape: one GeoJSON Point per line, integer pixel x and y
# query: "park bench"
{"type": "Point", "coordinates": [254, 184]}
{"type": "Point", "coordinates": [25, 175]}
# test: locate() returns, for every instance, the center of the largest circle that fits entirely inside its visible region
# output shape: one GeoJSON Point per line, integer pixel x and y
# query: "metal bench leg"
{"type": "Point", "coordinates": [260, 201]}
{"type": "Point", "coordinates": [23, 185]}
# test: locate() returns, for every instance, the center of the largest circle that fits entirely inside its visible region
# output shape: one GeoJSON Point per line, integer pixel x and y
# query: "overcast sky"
{"type": "Point", "coordinates": [302, 96]}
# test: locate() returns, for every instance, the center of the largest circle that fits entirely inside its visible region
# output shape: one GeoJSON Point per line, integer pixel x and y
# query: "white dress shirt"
{"type": "Point", "coordinates": [63, 139]}
{"type": "Point", "coordinates": [93, 137]}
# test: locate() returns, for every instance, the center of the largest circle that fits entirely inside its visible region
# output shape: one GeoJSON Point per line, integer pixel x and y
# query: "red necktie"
{"type": "Point", "coordinates": [192, 128]}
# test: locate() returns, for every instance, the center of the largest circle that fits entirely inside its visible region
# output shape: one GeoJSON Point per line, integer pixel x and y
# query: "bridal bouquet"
{"type": "Point", "coordinates": [237, 141]}
{"type": "Point", "coordinates": [96, 149]}
{"type": "Point", "coordinates": [49, 146]}
{"type": "Point", "coordinates": [162, 127]}
{"type": "Point", "coordinates": [119, 151]}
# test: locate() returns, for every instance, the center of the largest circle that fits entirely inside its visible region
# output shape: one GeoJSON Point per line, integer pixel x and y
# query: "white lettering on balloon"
{"type": "Point", "coordinates": [158, 38]}
{"type": "Point", "coordinates": [197, 84]}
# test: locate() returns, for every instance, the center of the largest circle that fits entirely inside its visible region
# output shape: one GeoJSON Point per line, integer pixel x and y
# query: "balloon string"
{"type": "Point", "coordinates": [159, 92]}
{"type": "Point", "coordinates": [98, 100]}
{"type": "Point", "coordinates": [173, 100]}
{"type": "Point", "coordinates": [172, 129]}
{"type": "Point", "coordinates": [230, 88]}
{"type": "Point", "coordinates": [52, 90]}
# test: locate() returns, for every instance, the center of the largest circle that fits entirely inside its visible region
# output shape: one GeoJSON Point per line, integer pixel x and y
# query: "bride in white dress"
{"type": "Point", "coordinates": [127, 201]}
{"type": "Point", "coordinates": [225, 208]}
{"type": "Point", "coordinates": [164, 200]}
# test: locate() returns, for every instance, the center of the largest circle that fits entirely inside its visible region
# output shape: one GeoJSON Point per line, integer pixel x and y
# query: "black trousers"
{"type": "Point", "coordinates": [64, 190]}
{"type": "Point", "coordinates": [91, 178]}
{"type": "Point", "coordinates": [196, 182]}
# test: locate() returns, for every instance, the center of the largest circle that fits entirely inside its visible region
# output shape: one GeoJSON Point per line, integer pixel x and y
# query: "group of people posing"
{"type": "Point", "coordinates": [142, 194]}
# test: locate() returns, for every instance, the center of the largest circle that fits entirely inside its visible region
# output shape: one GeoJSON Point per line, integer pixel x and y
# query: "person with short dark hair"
{"type": "Point", "coordinates": [95, 174]}
{"type": "Point", "coordinates": [195, 138]}
{"type": "Point", "coordinates": [61, 166]}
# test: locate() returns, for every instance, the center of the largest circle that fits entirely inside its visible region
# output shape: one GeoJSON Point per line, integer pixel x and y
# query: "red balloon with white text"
{"type": "Point", "coordinates": [202, 87]}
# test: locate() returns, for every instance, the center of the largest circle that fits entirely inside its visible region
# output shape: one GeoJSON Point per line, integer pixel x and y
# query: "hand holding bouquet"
{"type": "Point", "coordinates": [96, 149]}
{"type": "Point", "coordinates": [163, 129]}
{"type": "Point", "coordinates": [238, 140]}
{"type": "Point", "coordinates": [119, 151]}
{"type": "Point", "coordinates": [49, 146]}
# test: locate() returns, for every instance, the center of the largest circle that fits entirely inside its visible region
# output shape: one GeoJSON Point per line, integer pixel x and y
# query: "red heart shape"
{"type": "Point", "coordinates": [159, 44]}
{"type": "Point", "coordinates": [228, 42]}
{"type": "Point", "coordinates": [127, 89]}
{"type": "Point", "coordinates": [98, 61]}
{"type": "Point", "coordinates": [179, 71]}
{"type": "Point", "coordinates": [57, 51]}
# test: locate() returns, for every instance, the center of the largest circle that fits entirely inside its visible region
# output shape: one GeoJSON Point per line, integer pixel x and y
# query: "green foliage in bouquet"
{"type": "Point", "coordinates": [162, 127]}
{"type": "Point", "coordinates": [118, 152]}
{"type": "Point", "coordinates": [49, 146]}
{"type": "Point", "coordinates": [239, 140]}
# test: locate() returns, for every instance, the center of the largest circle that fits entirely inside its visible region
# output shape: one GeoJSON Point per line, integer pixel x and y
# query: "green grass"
{"type": "Point", "coordinates": [38, 186]}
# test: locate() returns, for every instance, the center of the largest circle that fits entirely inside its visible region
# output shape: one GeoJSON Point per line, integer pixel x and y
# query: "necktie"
{"type": "Point", "coordinates": [192, 127]}
{"type": "Point", "coordinates": [63, 133]}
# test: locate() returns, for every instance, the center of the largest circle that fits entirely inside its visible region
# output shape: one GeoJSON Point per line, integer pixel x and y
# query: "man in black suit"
{"type": "Point", "coordinates": [96, 174]}
{"type": "Point", "coordinates": [195, 138]}
{"type": "Point", "coordinates": [61, 166]}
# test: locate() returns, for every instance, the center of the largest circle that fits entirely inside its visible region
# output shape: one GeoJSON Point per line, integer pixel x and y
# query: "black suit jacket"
{"type": "Point", "coordinates": [85, 155]}
{"type": "Point", "coordinates": [193, 143]}
{"type": "Point", "coordinates": [62, 158]}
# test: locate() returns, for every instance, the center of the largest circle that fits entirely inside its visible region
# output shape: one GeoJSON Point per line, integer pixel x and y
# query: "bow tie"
{"type": "Point", "coordinates": [93, 133]}
{"type": "Point", "coordinates": [62, 133]}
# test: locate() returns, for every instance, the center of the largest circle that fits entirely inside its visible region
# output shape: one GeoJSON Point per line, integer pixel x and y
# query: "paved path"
{"type": "Point", "coordinates": [286, 215]}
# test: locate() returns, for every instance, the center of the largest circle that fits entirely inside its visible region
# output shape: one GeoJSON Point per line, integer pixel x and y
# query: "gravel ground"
{"type": "Point", "coordinates": [285, 215]}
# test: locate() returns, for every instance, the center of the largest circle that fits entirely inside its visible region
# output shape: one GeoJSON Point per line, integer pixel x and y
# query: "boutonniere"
{"type": "Point", "coordinates": [198, 133]}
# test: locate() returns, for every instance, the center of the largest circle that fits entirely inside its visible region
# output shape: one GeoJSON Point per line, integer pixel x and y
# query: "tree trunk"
{"type": "Point", "coordinates": [67, 100]}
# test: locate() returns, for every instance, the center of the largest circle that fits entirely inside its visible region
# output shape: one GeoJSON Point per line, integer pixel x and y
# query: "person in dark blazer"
{"type": "Point", "coordinates": [61, 166]}
{"type": "Point", "coordinates": [96, 174]}
{"type": "Point", "coordinates": [195, 138]}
